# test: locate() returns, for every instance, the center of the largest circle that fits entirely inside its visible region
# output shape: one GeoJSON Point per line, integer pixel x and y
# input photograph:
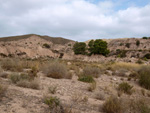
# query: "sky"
{"type": "Point", "coordinates": [79, 20]}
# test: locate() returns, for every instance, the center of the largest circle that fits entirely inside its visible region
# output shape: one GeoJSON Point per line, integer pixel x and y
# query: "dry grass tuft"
{"type": "Point", "coordinates": [112, 105]}
{"type": "Point", "coordinates": [127, 66]}
{"type": "Point", "coordinates": [57, 70]}
{"type": "Point", "coordinates": [24, 80]}
{"type": "Point", "coordinates": [92, 71]}
{"type": "Point", "coordinates": [3, 89]}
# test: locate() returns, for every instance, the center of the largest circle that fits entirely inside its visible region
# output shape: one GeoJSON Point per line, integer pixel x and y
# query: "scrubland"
{"type": "Point", "coordinates": [63, 86]}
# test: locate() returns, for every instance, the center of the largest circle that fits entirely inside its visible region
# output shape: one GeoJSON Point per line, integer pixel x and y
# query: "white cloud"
{"type": "Point", "coordinates": [76, 19]}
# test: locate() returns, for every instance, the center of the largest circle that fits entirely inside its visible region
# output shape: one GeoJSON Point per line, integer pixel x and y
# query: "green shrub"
{"type": "Point", "coordinates": [79, 48]}
{"type": "Point", "coordinates": [93, 71]}
{"type": "Point", "coordinates": [137, 42]}
{"type": "Point", "coordinates": [57, 70]}
{"type": "Point", "coordinates": [46, 45]}
{"type": "Point", "coordinates": [145, 38]}
{"type": "Point", "coordinates": [128, 45]}
{"type": "Point", "coordinates": [112, 105]}
{"type": "Point", "coordinates": [147, 56]}
{"type": "Point", "coordinates": [98, 47]}
{"type": "Point", "coordinates": [139, 61]}
{"type": "Point", "coordinates": [125, 87]}
{"type": "Point", "coordinates": [87, 78]}
{"type": "Point", "coordinates": [52, 102]}
{"type": "Point", "coordinates": [121, 44]}
{"type": "Point", "coordinates": [144, 79]}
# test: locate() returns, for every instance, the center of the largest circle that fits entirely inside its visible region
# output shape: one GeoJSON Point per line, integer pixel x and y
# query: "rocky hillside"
{"type": "Point", "coordinates": [34, 46]}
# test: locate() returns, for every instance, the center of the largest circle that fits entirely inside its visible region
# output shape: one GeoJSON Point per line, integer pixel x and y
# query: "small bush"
{"type": "Point", "coordinates": [137, 42]}
{"type": "Point", "coordinates": [93, 71]}
{"type": "Point", "coordinates": [139, 61]}
{"type": "Point", "coordinates": [92, 86]}
{"type": "Point", "coordinates": [12, 64]}
{"type": "Point", "coordinates": [147, 56]}
{"type": "Point", "coordinates": [100, 96]}
{"type": "Point", "coordinates": [144, 37]}
{"type": "Point", "coordinates": [46, 45]}
{"type": "Point", "coordinates": [15, 78]}
{"type": "Point", "coordinates": [57, 70]}
{"type": "Point", "coordinates": [128, 45]}
{"type": "Point", "coordinates": [112, 105]}
{"type": "Point", "coordinates": [144, 79]}
{"type": "Point", "coordinates": [125, 87]}
{"type": "Point", "coordinates": [2, 90]}
{"type": "Point", "coordinates": [24, 80]}
{"type": "Point", "coordinates": [86, 78]}
{"type": "Point", "coordinates": [52, 102]}
{"type": "Point", "coordinates": [52, 89]}
{"type": "Point", "coordinates": [139, 106]}
{"type": "Point", "coordinates": [134, 75]}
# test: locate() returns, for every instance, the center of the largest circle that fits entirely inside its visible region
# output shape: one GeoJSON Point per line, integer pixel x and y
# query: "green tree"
{"type": "Point", "coordinates": [98, 47]}
{"type": "Point", "coordinates": [137, 42]}
{"type": "Point", "coordinates": [79, 48]}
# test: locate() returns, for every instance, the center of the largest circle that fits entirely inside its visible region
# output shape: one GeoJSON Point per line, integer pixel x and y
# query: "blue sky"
{"type": "Point", "coordinates": [78, 20]}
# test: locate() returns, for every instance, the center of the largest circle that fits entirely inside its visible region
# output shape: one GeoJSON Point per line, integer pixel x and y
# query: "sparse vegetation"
{"type": "Point", "coordinates": [125, 87]}
{"type": "Point", "coordinates": [128, 45]}
{"type": "Point", "coordinates": [112, 105]}
{"type": "Point", "coordinates": [52, 102]}
{"type": "Point", "coordinates": [144, 79]}
{"type": "Point", "coordinates": [57, 70]}
{"type": "Point", "coordinates": [86, 78]}
{"type": "Point", "coordinates": [24, 80]}
{"type": "Point", "coordinates": [52, 89]}
{"type": "Point", "coordinates": [92, 86]}
{"type": "Point", "coordinates": [2, 90]}
{"type": "Point", "coordinates": [93, 71]}
{"type": "Point", "coordinates": [46, 45]}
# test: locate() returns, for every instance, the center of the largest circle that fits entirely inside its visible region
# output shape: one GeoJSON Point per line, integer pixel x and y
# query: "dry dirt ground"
{"type": "Point", "coordinates": [72, 93]}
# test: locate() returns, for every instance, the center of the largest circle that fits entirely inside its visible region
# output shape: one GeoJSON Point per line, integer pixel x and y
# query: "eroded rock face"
{"type": "Point", "coordinates": [32, 47]}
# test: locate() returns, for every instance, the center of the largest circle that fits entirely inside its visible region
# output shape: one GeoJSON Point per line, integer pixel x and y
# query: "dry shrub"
{"type": "Point", "coordinates": [14, 64]}
{"type": "Point", "coordinates": [92, 86]}
{"type": "Point", "coordinates": [112, 105]}
{"type": "Point", "coordinates": [57, 70]}
{"type": "Point", "coordinates": [139, 106]}
{"type": "Point", "coordinates": [144, 79]}
{"type": "Point", "coordinates": [24, 80]}
{"type": "Point", "coordinates": [52, 89]}
{"type": "Point", "coordinates": [33, 84]}
{"type": "Point", "coordinates": [100, 96]}
{"type": "Point", "coordinates": [56, 106]}
{"type": "Point", "coordinates": [125, 87]}
{"type": "Point", "coordinates": [92, 71]}
{"type": "Point", "coordinates": [3, 89]}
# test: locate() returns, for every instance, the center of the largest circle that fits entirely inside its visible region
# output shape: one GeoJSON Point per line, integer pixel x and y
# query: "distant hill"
{"type": "Point", "coordinates": [54, 40]}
